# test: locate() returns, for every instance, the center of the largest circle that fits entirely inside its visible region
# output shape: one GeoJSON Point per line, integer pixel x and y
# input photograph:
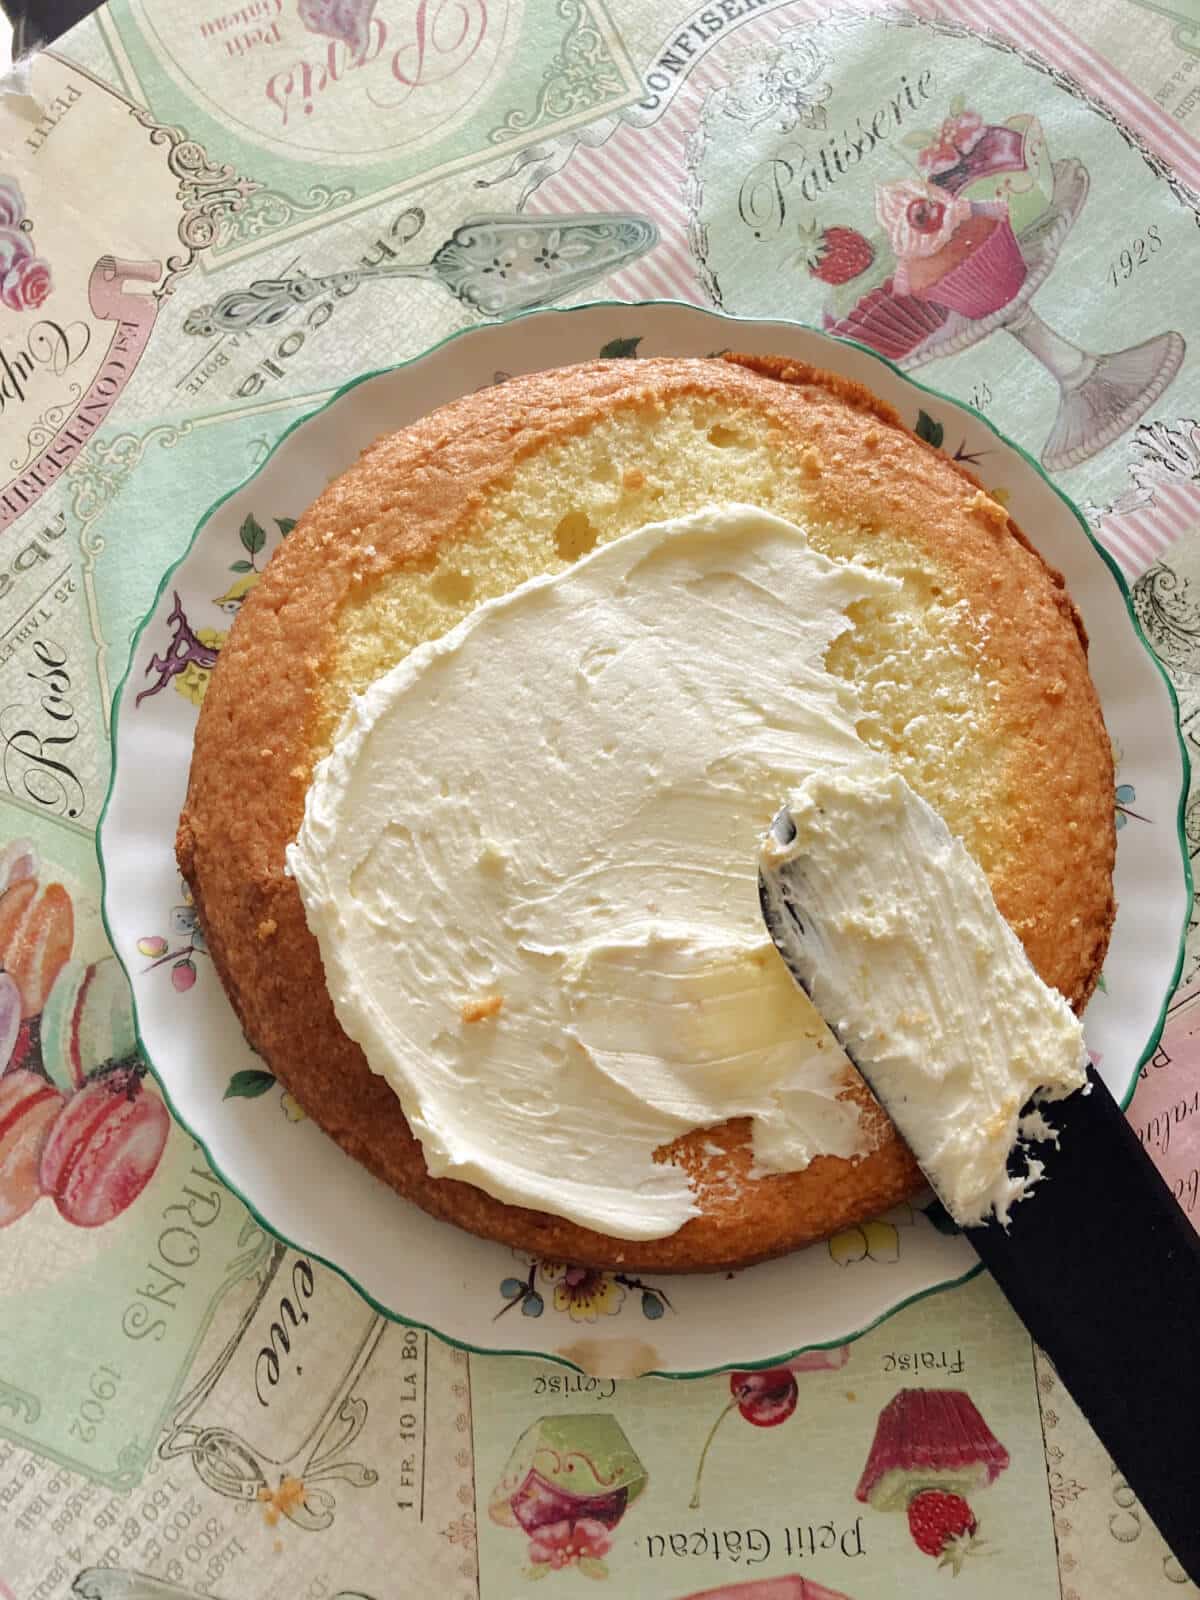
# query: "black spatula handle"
{"type": "Point", "coordinates": [1103, 1268]}
{"type": "Point", "coordinates": [1100, 1264]}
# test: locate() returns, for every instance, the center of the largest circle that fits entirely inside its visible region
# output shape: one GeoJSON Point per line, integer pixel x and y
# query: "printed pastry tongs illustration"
{"type": "Point", "coordinates": [493, 264]}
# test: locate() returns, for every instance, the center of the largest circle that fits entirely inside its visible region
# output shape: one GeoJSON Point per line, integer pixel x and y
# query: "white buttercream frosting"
{"type": "Point", "coordinates": [897, 937]}
{"type": "Point", "coordinates": [548, 822]}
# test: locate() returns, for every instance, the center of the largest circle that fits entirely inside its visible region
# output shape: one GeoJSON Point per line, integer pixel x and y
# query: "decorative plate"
{"type": "Point", "coordinates": [296, 1180]}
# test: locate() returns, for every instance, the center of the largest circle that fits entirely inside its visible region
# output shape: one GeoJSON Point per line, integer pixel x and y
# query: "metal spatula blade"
{"type": "Point", "coordinates": [1099, 1262]}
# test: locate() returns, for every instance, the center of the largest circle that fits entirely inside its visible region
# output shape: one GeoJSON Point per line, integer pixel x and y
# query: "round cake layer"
{"type": "Point", "coordinates": [974, 682]}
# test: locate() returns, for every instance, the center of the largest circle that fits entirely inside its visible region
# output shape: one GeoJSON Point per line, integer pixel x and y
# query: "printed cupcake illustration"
{"type": "Point", "coordinates": [566, 1485]}
{"type": "Point", "coordinates": [960, 255]}
{"type": "Point", "coordinates": [77, 1123]}
{"type": "Point", "coordinates": [951, 232]}
{"type": "Point", "coordinates": [931, 1450]}
{"type": "Point", "coordinates": [961, 247]}
{"type": "Point", "coordinates": [999, 162]}
{"type": "Point", "coordinates": [863, 300]}
{"type": "Point", "coordinates": [890, 322]}
{"type": "Point", "coordinates": [948, 236]}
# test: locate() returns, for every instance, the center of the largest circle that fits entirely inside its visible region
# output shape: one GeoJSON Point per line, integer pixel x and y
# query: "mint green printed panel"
{"type": "Point", "coordinates": [409, 91]}
{"type": "Point", "coordinates": [785, 211]}
{"type": "Point", "coordinates": [100, 1325]}
{"type": "Point", "coordinates": [127, 541]}
{"type": "Point", "coordinates": [799, 1478]}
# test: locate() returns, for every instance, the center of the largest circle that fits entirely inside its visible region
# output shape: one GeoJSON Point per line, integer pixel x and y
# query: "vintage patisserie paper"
{"type": "Point", "coordinates": [210, 218]}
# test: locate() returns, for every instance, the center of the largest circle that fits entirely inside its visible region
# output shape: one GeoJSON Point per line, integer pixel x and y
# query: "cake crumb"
{"type": "Point", "coordinates": [267, 755]}
{"type": "Point", "coordinates": [871, 438]}
{"type": "Point", "coordinates": [266, 928]}
{"type": "Point", "coordinates": [278, 1502]}
{"type": "Point", "coordinates": [810, 460]}
{"type": "Point", "coordinates": [492, 861]}
{"type": "Point", "coordinates": [634, 478]}
{"type": "Point", "coordinates": [299, 772]}
{"type": "Point", "coordinates": [990, 510]}
{"type": "Point", "coordinates": [482, 1010]}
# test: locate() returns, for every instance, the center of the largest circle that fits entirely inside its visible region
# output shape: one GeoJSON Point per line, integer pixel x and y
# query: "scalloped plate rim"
{"type": "Point", "coordinates": [623, 309]}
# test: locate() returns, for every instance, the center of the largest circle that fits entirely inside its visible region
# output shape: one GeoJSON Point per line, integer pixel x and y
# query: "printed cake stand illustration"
{"type": "Point", "coordinates": [1100, 395]}
{"type": "Point", "coordinates": [495, 265]}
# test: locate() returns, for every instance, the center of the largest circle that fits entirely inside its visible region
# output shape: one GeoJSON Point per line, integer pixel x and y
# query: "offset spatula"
{"type": "Point", "coordinates": [1098, 1260]}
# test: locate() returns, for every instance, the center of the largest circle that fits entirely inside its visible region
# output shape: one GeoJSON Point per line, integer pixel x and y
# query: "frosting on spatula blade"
{"type": "Point", "coordinates": [889, 925]}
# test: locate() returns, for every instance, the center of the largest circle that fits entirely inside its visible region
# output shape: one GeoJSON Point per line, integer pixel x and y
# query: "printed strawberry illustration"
{"type": "Point", "coordinates": [932, 1448]}
{"type": "Point", "coordinates": [943, 1526]}
{"type": "Point", "coordinates": [836, 254]}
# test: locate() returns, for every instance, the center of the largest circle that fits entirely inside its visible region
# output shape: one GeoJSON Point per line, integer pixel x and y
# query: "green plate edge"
{"type": "Point", "coordinates": [725, 317]}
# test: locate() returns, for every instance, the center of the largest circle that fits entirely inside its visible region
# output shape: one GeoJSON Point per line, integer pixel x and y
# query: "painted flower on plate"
{"type": "Point", "coordinates": [192, 682]}
{"type": "Point", "coordinates": [877, 1240]}
{"type": "Point", "coordinates": [583, 1292]}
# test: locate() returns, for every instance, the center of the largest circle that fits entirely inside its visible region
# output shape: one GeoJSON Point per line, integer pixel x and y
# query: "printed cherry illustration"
{"type": "Point", "coordinates": [104, 1147]}
{"type": "Point", "coordinates": [764, 1398]}
{"type": "Point", "coordinates": [926, 215]}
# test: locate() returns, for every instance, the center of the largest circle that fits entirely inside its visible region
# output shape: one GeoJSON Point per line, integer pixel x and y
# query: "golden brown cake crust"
{"type": "Point", "coordinates": [265, 720]}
